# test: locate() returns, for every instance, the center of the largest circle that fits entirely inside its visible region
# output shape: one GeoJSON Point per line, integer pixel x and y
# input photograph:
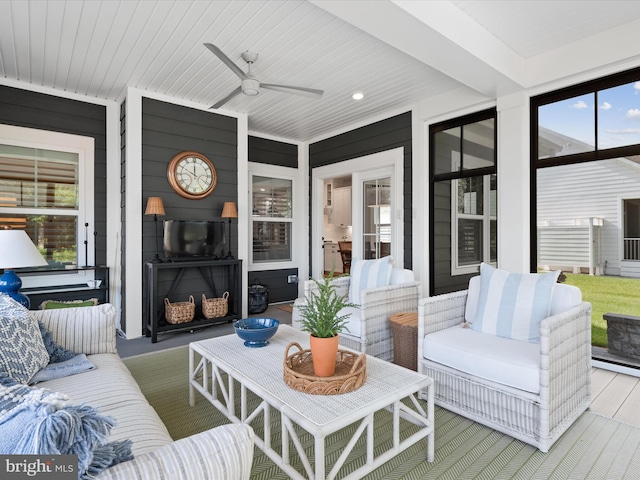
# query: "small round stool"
{"type": "Point", "coordinates": [404, 328]}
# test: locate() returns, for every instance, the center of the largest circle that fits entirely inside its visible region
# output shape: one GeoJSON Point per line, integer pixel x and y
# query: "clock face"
{"type": "Point", "coordinates": [192, 175]}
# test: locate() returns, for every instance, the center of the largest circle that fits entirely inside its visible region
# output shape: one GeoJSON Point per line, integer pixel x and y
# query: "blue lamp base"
{"type": "Point", "coordinates": [10, 284]}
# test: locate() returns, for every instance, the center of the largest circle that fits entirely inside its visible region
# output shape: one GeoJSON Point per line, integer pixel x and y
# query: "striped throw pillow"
{"type": "Point", "coordinates": [512, 305]}
{"type": "Point", "coordinates": [368, 274]}
{"type": "Point", "coordinates": [87, 330]}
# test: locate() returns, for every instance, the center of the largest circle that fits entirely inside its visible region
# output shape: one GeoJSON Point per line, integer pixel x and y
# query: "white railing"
{"type": "Point", "coordinates": [632, 248]}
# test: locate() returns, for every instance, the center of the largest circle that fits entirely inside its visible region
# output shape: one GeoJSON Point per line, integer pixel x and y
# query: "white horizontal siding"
{"type": "Point", "coordinates": [630, 268]}
{"type": "Point", "coordinates": [587, 190]}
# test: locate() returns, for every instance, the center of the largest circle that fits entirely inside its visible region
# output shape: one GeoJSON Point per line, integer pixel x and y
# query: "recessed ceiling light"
{"type": "Point", "coordinates": [358, 96]}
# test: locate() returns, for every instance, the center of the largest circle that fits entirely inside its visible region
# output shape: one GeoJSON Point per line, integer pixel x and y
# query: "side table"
{"type": "Point", "coordinates": [404, 328]}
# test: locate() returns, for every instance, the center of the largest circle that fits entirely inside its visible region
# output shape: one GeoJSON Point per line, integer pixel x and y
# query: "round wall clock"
{"type": "Point", "coordinates": [192, 175]}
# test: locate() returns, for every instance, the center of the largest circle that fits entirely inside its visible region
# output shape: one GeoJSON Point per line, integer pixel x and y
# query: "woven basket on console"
{"type": "Point", "coordinates": [215, 307]}
{"type": "Point", "coordinates": [350, 374]}
{"type": "Point", "coordinates": [179, 312]}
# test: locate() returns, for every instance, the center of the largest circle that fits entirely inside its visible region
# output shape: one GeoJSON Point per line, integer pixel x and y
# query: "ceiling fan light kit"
{"type": "Point", "coordinates": [249, 85]}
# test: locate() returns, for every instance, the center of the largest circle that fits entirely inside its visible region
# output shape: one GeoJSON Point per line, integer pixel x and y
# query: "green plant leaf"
{"type": "Point", "coordinates": [320, 311]}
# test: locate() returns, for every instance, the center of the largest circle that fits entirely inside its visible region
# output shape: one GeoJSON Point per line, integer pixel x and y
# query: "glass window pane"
{"type": "Point", "coordinates": [470, 196]}
{"type": "Point", "coordinates": [567, 127]}
{"type": "Point", "coordinates": [447, 150]}
{"type": "Point", "coordinates": [272, 197]}
{"type": "Point", "coordinates": [36, 178]}
{"type": "Point", "coordinates": [478, 148]}
{"type": "Point", "coordinates": [493, 239]}
{"type": "Point", "coordinates": [469, 241]}
{"type": "Point", "coordinates": [493, 194]}
{"type": "Point", "coordinates": [619, 116]}
{"type": "Point", "coordinates": [271, 241]}
{"type": "Point", "coordinates": [377, 218]}
{"type": "Point", "coordinates": [53, 235]}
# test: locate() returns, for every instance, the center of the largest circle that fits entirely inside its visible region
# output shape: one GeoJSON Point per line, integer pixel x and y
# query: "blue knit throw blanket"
{"type": "Point", "coordinates": [36, 421]}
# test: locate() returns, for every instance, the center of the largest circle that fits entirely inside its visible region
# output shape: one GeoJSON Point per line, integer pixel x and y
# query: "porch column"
{"type": "Point", "coordinates": [513, 183]}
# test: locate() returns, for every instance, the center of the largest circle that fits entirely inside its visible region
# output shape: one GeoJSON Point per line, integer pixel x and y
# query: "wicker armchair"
{"type": "Point", "coordinates": [564, 370]}
{"type": "Point", "coordinates": [369, 325]}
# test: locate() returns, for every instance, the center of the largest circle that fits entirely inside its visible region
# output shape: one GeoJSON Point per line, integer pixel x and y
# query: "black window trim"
{"type": "Point", "coordinates": [490, 113]}
{"type": "Point", "coordinates": [591, 86]}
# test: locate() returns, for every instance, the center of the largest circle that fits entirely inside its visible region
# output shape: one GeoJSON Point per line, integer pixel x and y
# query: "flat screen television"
{"type": "Point", "coordinates": [189, 240]}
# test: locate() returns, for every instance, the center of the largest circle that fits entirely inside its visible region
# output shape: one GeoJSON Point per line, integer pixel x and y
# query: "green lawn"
{"type": "Point", "coordinates": [607, 295]}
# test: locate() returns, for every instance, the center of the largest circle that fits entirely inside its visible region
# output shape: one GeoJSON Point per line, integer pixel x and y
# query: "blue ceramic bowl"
{"type": "Point", "coordinates": [256, 332]}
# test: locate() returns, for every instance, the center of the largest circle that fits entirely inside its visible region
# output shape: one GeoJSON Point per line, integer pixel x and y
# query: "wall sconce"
{"type": "Point", "coordinates": [229, 211]}
{"type": "Point", "coordinates": [155, 208]}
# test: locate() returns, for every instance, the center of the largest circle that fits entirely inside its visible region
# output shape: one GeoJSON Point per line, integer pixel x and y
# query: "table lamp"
{"type": "Point", "coordinates": [229, 211]}
{"type": "Point", "coordinates": [155, 208]}
{"type": "Point", "coordinates": [17, 251]}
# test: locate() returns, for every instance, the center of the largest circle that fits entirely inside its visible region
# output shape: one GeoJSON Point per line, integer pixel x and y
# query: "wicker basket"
{"type": "Point", "coordinates": [215, 307]}
{"type": "Point", "coordinates": [179, 312]}
{"type": "Point", "coordinates": [350, 374]}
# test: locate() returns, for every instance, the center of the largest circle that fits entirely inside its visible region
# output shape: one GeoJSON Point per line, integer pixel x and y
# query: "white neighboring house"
{"type": "Point", "coordinates": [589, 216]}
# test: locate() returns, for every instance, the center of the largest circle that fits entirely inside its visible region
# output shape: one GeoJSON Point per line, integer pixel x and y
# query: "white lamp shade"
{"type": "Point", "coordinates": [18, 251]}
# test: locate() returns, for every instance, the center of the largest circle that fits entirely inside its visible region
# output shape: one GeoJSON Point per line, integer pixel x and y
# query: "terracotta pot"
{"type": "Point", "coordinates": [323, 354]}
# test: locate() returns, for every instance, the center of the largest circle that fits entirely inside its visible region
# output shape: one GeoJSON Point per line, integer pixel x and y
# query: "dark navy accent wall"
{"type": "Point", "coordinates": [24, 108]}
{"type": "Point", "coordinates": [272, 152]}
{"type": "Point", "coordinates": [377, 137]}
{"type": "Point", "coordinates": [168, 129]}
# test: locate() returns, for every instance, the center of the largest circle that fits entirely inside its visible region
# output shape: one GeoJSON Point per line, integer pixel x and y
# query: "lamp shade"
{"type": "Point", "coordinates": [229, 210]}
{"type": "Point", "coordinates": [18, 251]}
{"type": "Point", "coordinates": [154, 206]}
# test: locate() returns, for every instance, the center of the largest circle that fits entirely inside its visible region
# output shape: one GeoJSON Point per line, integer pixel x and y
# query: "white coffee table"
{"type": "Point", "coordinates": [260, 370]}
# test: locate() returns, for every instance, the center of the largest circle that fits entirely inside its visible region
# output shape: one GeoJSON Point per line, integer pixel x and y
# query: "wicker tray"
{"type": "Point", "coordinates": [179, 312]}
{"type": "Point", "coordinates": [350, 374]}
{"type": "Point", "coordinates": [215, 307]}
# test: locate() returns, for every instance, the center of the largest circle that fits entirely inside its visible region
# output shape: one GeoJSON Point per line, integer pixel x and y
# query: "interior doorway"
{"type": "Point", "coordinates": [357, 201]}
{"type": "Point", "coordinates": [337, 226]}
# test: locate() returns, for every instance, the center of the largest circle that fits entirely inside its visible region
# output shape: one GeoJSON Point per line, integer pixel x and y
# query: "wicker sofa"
{"type": "Point", "coordinates": [369, 330]}
{"type": "Point", "coordinates": [532, 392]}
{"type": "Point", "coordinates": [222, 452]}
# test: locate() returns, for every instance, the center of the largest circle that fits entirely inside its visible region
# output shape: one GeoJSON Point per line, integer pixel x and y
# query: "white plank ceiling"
{"type": "Point", "coordinates": [97, 48]}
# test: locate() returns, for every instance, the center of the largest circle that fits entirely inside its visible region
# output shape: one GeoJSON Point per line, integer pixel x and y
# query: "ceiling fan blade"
{"type": "Point", "coordinates": [226, 60]}
{"type": "Point", "coordinates": [306, 92]}
{"type": "Point", "coordinates": [235, 93]}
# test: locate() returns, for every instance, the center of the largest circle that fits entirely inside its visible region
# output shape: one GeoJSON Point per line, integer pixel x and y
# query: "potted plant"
{"type": "Point", "coordinates": [321, 320]}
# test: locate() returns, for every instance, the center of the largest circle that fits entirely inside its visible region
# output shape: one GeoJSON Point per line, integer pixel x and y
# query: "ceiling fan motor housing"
{"type": "Point", "coordinates": [250, 86]}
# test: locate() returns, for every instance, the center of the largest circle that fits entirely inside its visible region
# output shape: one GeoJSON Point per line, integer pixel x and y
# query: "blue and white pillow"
{"type": "Point", "coordinates": [22, 351]}
{"type": "Point", "coordinates": [368, 274]}
{"type": "Point", "coordinates": [512, 305]}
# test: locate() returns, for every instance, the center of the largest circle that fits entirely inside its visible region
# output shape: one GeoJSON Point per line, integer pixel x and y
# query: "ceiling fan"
{"type": "Point", "coordinates": [250, 85]}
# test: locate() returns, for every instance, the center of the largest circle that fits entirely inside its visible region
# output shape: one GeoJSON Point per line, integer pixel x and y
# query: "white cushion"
{"type": "Point", "coordinates": [564, 297]}
{"type": "Point", "coordinates": [368, 274]}
{"type": "Point", "coordinates": [353, 322]}
{"type": "Point", "coordinates": [116, 394]}
{"type": "Point", "coordinates": [502, 360]}
{"type": "Point", "coordinates": [512, 305]}
{"type": "Point", "coordinates": [400, 276]}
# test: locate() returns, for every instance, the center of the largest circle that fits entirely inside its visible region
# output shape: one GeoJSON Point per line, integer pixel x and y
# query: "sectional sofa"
{"type": "Point", "coordinates": [222, 452]}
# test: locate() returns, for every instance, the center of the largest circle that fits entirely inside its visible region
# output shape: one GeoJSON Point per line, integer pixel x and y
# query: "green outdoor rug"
{"type": "Point", "coordinates": [594, 447]}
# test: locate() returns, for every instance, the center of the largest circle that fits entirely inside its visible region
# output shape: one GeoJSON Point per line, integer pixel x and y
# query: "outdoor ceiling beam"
{"type": "Point", "coordinates": [440, 35]}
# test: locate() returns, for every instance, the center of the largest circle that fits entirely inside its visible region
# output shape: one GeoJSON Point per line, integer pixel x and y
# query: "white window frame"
{"type": "Point", "coordinates": [280, 173]}
{"type": "Point", "coordinates": [486, 218]}
{"type": "Point", "coordinates": [84, 148]}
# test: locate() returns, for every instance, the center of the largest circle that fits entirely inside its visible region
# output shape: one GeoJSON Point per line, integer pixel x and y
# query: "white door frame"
{"type": "Point", "coordinates": [360, 168]}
